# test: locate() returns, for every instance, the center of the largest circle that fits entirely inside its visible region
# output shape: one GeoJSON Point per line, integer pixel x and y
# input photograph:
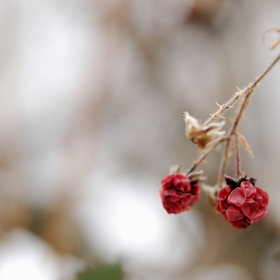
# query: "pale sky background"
{"type": "Point", "coordinates": [91, 95]}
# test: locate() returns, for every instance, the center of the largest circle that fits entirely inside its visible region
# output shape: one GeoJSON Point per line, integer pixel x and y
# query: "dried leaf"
{"type": "Point", "coordinates": [200, 134]}
{"type": "Point", "coordinates": [245, 144]}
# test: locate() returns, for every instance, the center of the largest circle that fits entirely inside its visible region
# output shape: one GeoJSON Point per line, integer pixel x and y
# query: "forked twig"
{"type": "Point", "coordinates": [246, 94]}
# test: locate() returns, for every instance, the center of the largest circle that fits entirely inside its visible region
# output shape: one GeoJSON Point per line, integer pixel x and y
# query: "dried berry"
{"type": "Point", "coordinates": [178, 193]}
{"type": "Point", "coordinates": [241, 203]}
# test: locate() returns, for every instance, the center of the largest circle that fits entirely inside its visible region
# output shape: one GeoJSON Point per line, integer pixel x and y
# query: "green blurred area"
{"type": "Point", "coordinates": [102, 272]}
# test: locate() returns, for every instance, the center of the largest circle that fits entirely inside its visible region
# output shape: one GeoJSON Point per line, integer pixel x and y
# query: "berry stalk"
{"type": "Point", "coordinates": [246, 94]}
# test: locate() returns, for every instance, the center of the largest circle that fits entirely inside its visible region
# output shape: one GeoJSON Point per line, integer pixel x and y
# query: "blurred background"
{"type": "Point", "coordinates": [91, 96]}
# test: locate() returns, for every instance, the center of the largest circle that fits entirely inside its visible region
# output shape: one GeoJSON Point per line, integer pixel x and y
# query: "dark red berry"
{"type": "Point", "coordinates": [178, 193]}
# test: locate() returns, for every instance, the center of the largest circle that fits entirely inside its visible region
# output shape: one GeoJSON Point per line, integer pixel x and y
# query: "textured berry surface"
{"type": "Point", "coordinates": [178, 193]}
{"type": "Point", "coordinates": [242, 205]}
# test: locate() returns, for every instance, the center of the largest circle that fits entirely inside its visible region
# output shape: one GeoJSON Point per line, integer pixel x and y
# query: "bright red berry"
{"type": "Point", "coordinates": [241, 203]}
{"type": "Point", "coordinates": [178, 193]}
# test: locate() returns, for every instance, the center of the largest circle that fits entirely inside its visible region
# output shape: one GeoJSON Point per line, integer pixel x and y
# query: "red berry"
{"type": "Point", "coordinates": [178, 193]}
{"type": "Point", "coordinates": [241, 203]}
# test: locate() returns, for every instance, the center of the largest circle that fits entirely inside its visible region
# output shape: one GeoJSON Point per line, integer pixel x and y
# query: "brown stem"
{"type": "Point", "coordinates": [224, 161]}
{"type": "Point", "coordinates": [237, 156]}
{"type": "Point", "coordinates": [203, 156]}
{"type": "Point", "coordinates": [247, 92]}
{"type": "Point", "coordinates": [244, 92]}
{"type": "Point", "coordinates": [240, 113]}
{"type": "Point", "coordinates": [258, 79]}
{"type": "Point", "coordinates": [233, 131]}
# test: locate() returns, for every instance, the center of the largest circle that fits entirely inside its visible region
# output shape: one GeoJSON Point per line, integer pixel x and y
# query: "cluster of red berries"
{"type": "Point", "coordinates": [239, 202]}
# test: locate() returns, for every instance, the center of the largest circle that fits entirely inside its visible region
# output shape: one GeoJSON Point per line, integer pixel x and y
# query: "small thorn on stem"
{"type": "Point", "coordinates": [244, 95]}
{"type": "Point", "coordinates": [218, 105]}
{"type": "Point", "coordinates": [222, 117]}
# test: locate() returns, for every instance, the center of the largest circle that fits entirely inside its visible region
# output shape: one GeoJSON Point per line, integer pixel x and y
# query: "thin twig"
{"type": "Point", "coordinates": [223, 165]}
{"type": "Point", "coordinates": [203, 156]}
{"type": "Point", "coordinates": [240, 113]}
{"type": "Point", "coordinates": [237, 156]}
{"type": "Point", "coordinates": [275, 43]}
{"type": "Point", "coordinates": [228, 137]}
{"type": "Point", "coordinates": [223, 108]}
{"type": "Point", "coordinates": [244, 92]}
